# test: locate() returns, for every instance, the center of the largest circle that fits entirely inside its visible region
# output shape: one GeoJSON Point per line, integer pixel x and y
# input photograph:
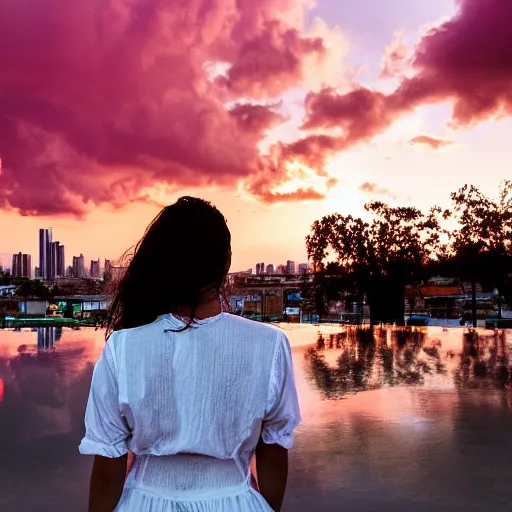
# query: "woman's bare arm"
{"type": "Point", "coordinates": [107, 481]}
{"type": "Point", "coordinates": [272, 472]}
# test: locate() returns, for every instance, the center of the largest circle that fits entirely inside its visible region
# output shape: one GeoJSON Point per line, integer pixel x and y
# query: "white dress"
{"type": "Point", "coordinates": [191, 406]}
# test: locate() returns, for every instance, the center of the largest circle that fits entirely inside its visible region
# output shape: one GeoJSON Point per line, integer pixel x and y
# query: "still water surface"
{"type": "Point", "coordinates": [414, 421]}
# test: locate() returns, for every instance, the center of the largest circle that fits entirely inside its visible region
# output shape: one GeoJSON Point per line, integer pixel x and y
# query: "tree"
{"type": "Point", "coordinates": [482, 242]}
{"type": "Point", "coordinates": [32, 289]}
{"type": "Point", "coordinates": [378, 258]}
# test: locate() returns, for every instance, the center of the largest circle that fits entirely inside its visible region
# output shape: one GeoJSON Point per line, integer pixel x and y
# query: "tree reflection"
{"type": "Point", "coordinates": [484, 361]}
{"type": "Point", "coordinates": [368, 359]}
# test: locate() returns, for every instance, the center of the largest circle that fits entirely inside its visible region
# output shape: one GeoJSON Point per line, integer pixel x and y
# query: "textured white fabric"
{"type": "Point", "coordinates": [192, 405]}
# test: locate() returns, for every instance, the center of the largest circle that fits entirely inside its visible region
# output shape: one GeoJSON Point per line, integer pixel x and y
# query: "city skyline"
{"type": "Point", "coordinates": [51, 261]}
{"type": "Point", "coordinates": [346, 102]}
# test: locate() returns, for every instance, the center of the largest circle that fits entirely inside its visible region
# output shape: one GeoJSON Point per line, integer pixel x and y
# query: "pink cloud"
{"type": "Point", "coordinates": [312, 152]}
{"type": "Point", "coordinates": [374, 189]}
{"type": "Point", "coordinates": [271, 63]}
{"type": "Point", "coordinates": [466, 60]}
{"type": "Point", "coordinates": [361, 113]}
{"type": "Point", "coordinates": [102, 99]}
{"type": "Point", "coordinates": [433, 142]}
{"type": "Point", "coordinates": [395, 58]}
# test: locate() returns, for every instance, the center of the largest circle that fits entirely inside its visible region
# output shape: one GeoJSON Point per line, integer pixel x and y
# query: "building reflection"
{"type": "Point", "coordinates": [48, 336]}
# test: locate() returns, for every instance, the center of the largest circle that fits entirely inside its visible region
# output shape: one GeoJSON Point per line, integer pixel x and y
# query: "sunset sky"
{"type": "Point", "coordinates": [278, 111]}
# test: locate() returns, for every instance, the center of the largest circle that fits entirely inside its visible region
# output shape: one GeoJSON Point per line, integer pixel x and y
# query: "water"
{"type": "Point", "coordinates": [397, 422]}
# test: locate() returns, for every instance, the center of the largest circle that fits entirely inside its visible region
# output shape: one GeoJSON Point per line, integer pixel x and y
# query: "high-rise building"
{"type": "Point", "coordinates": [107, 271]}
{"type": "Point", "coordinates": [258, 269]}
{"type": "Point", "coordinates": [45, 241]}
{"type": "Point", "coordinates": [16, 265]}
{"type": "Point", "coordinates": [78, 266]}
{"type": "Point", "coordinates": [95, 268]}
{"type": "Point", "coordinates": [303, 268]}
{"type": "Point", "coordinates": [281, 269]}
{"type": "Point", "coordinates": [262, 268]}
{"type": "Point", "coordinates": [270, 269]}
{"type": "Point", "coordinates": [21, 265]}
{"type": "Point", "coordinates": [61, 262]}
{"type": "Point", "coordinates": [57, 260]}
{"type": "Point", "coordinates": [290, 267]}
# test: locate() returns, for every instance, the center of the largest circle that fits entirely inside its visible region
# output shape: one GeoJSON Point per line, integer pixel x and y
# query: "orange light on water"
{"type": "Point", "coordinates": [1, 391]}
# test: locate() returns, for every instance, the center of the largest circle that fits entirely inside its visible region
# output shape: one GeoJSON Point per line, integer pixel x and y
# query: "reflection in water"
{"type": "Point", "coordinates": [48, 336]}
{"type": "Point", "coordinates": [359, 359]}
{"type": "Point", "coordinates": [485, 361]}
{"type": "Point", "coordinates": [425, 424]}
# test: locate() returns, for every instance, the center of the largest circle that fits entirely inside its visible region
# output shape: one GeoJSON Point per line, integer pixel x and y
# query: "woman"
{"type": "Point", "coordinates": [191, 391]}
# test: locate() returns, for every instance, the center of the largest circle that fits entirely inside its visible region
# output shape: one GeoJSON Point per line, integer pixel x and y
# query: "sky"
{"type": "Point", "coordinates": [277, 111]}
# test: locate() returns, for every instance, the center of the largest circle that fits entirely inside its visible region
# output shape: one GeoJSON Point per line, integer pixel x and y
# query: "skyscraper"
{"type": "Point", "coordinates": [270, 269]}
{"type": "Point", "coordinates": [303, 267]}
{"type": "Point", "coordinates": [290, 267]}
{"type": "Point", "coordinates": [78, 266]}
{"type": "Point", "coordinates": [57, 260]}
{"type": "Point", "coordinates": [61, 262]}
{"type": "Point", "coordinates": [45, 240]}
{"type": "Point", "coordinates": [21, 265]}
{"type": "Point", "coordinates": [95, 268]}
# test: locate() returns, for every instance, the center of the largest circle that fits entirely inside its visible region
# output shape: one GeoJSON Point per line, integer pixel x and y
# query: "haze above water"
{"type": "Point", "coordinates": [393, 422]}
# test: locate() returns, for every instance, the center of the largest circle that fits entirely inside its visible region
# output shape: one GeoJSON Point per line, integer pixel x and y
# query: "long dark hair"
{"type": "Point", "coordinates": [184, 251]}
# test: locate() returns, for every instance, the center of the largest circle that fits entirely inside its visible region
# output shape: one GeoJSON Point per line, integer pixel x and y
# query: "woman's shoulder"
{"type": "Point", "coordinates": [254, 328]}
{"type": "Point", "coordinates": [139, 332]}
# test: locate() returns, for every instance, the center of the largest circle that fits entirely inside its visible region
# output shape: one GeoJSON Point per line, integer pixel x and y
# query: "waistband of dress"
{"type": "Point", "coordinates": [193, 494]}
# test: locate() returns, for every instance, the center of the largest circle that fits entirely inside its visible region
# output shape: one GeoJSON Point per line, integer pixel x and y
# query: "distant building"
{"type": "Point", "coordinates": [281, 269]}
{"type": "Point", "coordinates": [95, 268]}
{"type": "Point", "coordinates": [78, 266]}
{"type": "Point", "coordinates": [21, 265]}
{"type": "Point", "coordinates": [107, 272]}
{"type": "Point", "coordinates": [45, 258]}
{"type": "Point", "coordinates": [270, 269]}
{"type": "Point", "coordinates": [260, 268]}
{"type": "Point", "coordinates": [57, 260]}
{"type": "Point", "coordinates": [290, 267]}
{"type": "Point", "coordinates": [37, 273]}
{"type": "Point", "coordinates": [303, 267]}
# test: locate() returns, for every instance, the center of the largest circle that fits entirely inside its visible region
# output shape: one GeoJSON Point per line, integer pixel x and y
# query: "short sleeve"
{"type": "Point", "coordinates": [106, 432]}
{"type": "Point", "coordinates": [282, 415]}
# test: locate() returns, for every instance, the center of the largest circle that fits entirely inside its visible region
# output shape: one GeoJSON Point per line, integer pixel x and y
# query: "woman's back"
{"type": "Point", "coordinates": [199, 400]}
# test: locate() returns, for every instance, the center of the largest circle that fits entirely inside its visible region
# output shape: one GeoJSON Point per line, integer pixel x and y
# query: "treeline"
{"type": "Point", "coordinates": [376, 258]}
{"type": "Point", "coordinates": [28, 288]}
{"type": "Point", "coordinates": [38, 289]}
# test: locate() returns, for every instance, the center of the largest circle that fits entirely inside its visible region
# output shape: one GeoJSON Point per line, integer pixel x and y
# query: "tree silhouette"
{"type": "Point", "coordinates": [377, 259]}
{"type": "Point", "coordinates": [482, 241]}
{"type": "Point", "coordinates": [31, 289]}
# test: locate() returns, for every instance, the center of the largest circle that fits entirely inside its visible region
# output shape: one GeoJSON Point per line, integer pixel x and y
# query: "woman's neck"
{"type": "Point", "coordinates": [209, 305]}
